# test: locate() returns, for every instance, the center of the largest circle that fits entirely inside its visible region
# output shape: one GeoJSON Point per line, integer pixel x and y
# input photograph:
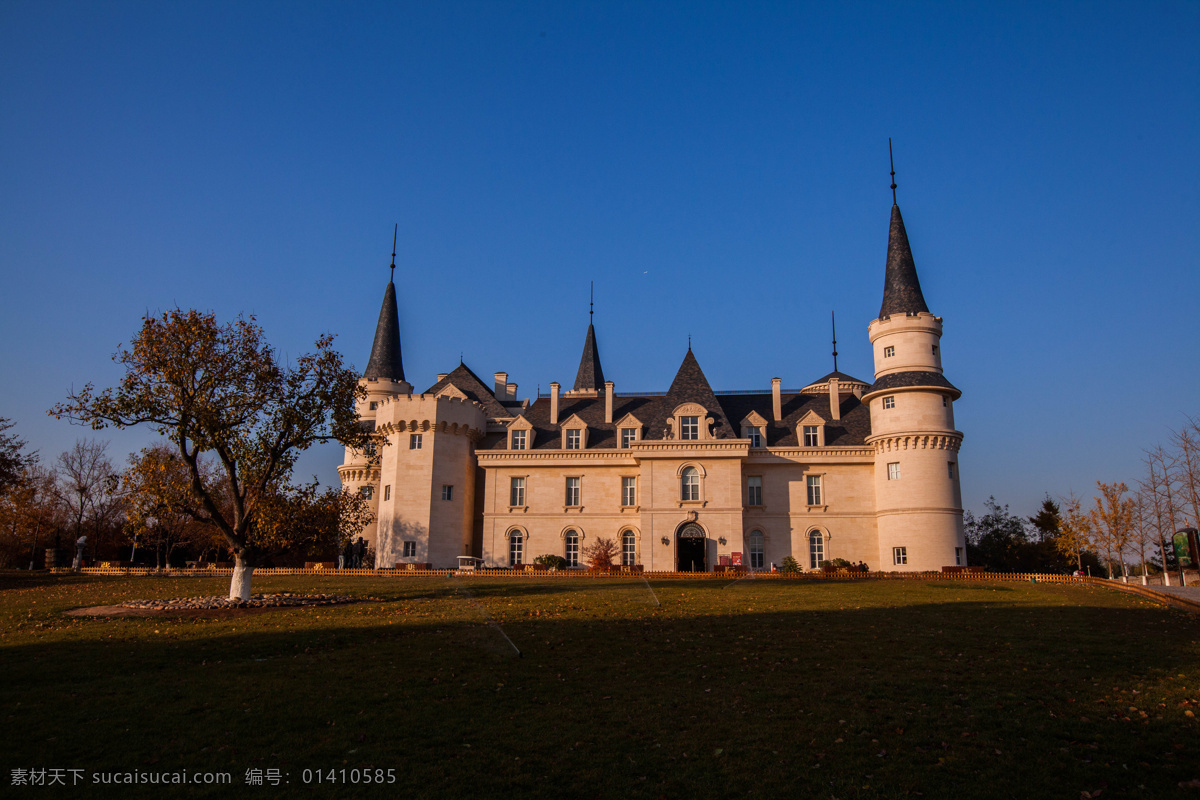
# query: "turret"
{"type": "Point", "coordinates": [918, 496]}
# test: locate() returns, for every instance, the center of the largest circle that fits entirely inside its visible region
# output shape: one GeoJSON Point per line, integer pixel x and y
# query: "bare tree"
{"type": "Point", "coordinates": [1158, 486]}
{"type": "Point", "coordinates": [1144, 532]}
{"type": "Point", "coordinates": [1187, 466]}
{"type": "Point", "coordinates": [85, 477]}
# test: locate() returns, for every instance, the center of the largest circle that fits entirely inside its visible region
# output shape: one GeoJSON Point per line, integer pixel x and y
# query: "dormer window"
{"type": "Point", "coordinates": [689, 428]}
{"type": "Point", "coordinates": [754, 429]}
{"type": "Point", "coordinates": [754, 436]}
{"type": "Point", "coordinates": [628, 437]}
{"type": "Point", "coordinates": [811, 436]}
{"type": "Point", "coordinates": [810, 430]}
{"type": "Point", "coordinates": [519, 440]}
{"type": "Point", "coordinates": [574, 439]}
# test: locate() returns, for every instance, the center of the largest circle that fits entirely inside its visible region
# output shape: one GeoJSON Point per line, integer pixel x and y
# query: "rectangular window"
{"type": "Point", "coordinates": [518, 440]}
{"type": "Point", "coordinates": [814, 490]}
{"type": "Point", "coordinates": [889, 402]}
{"type": "Point", "coordinates": [888, 352]}
{"type": "Point", "coordinates": [950, 469]}
{"type": "Point", "coordinates": [958, 556]}
{"type": "Point", "coordinates": [516, 550]}
{"type": "Point", "coordinates": [689, 427]}
{"type": "Point", "coordinates": [945, 402]}
{"type": "Point", "coordinates": [628, 549]}
{"type": "Point", "coordinates": [370, 449]}
{"type": "Point", "coordinates": [367, 492]}
{"type": "Point", "coordinates": [894, 471]}
{"type": "Point", "coordinates": [754, 491]}
{"type": "Point", "coordinates": [414, 441]}
{"type": "Point", "coordinates": [410, 550]}
{"type": "Point", "coordinates": [628, 437]}
{"type": "Point", "coordinates": [387, 493]}
{"type": "Point", "coordinates": [572, 491]}
{"type": "Point", "coordinates": [573, 439]}
{"type": "Point", "coordinates": [629, 491]}
{"type": "Point", "coordinates": [374, 405]}
{"type": "Point", "coordinates": [755, 437]}
{"type": "Point", "coordinates": [899, 555]}
{"type": "Point", "coordinates": [516, 492]}
{"type": "Point", "coordinates": [572, 549]}
{"type": "Point", "coordinates": [447, 492]}
{"type": "Point", "coordinates": [810, 436]}
{"type": "Point", "coordinates": [935, 349]}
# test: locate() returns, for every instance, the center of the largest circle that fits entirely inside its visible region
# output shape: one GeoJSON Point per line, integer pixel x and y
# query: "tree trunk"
{"type": "Point", "coordinates": [239, 585]}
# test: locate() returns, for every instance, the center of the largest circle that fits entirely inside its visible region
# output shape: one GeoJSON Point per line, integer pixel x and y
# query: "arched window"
{"type": "Point", "coordinates": [816, 549]}
{"type": "Point", "coordinates": [628, 549]}
{"type": "Point", "coordinates": [690, 484]}
{"type": "Point", "coordinates": [572, 549]}
{"type": "Point", "coordinates": [516, 549]}
{"type": "Point", "coordinates": [756, 550]}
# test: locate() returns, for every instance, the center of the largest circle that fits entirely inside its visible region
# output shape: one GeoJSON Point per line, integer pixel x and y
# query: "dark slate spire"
{"type": "Point", "coordinates": [901, 289]}
{"type": "Point", "coordinates": [691, 386]}
{"type": "Point", "coordinates": [590, 375]}
{"type": "Point", "coordinates": [385, 359]}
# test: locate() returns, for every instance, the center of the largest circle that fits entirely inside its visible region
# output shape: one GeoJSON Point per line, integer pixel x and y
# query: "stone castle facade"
{"type": "Point", "coordinates": [682, 480]}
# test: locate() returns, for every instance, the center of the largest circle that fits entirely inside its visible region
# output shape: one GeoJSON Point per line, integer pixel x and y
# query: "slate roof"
{"type": "Point", "coordinates": [906, 380]}
{"type": "Point", "coordinates": [841, 376]}
{"type": "Point", "coordinates": [385, 361]}
{"type": "Point", "coordinates": [467, 382]}
{"type": "Point", "coordinates": [690, 385]}
{"type": "Point", "coordinates": [590, 375]}
{"type": "Point", "coordinates": [901, 289]}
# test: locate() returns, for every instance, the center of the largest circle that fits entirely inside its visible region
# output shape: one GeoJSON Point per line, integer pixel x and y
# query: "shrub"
{"type": "Point", "coordinates": [600, 554]}
{"type": "Point", "coordinates": [789, 564]}
{"type": "Point", "coordinates": [551, 561]}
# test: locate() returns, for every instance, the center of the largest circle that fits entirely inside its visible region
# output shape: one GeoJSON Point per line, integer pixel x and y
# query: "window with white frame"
{"type": "Point", "coordinates": [816, 549]}
{"type": "Point", "coordinates": [574, 439]}
{"type": "Point", "coordinates": [410, 550]}
{"type": "Point", "coordinates": [628, 548]}
{"type": "Point", "coordinates": [387, 492]}
{"type": "Point", "coordinates": [628, 437]}
{"type": "Point", "coordinates": [516, 492]}
{"type": "Point", "coordinates": [811, 436]}
{"type": "Point", "coordinates": [516, 549]}
{"type": "Point", "coordinates": [447, 492]}
{"type": "Point", "coordinates": [889, 351]}
{"type": "Point", "coordinates": [414, 441]}
{"type": "Point", "coordinates": [573, 491]}
{"type": "Point", "coordinates": [756, 549]}
{"type": "Point", "coordinates": [629, 491]}
{"type": "Point", "coordinates": [950, 470]}
{"type": "Point", "coordinates": [899, 555]}
{"type": "Point", "coordinates": [814, 490]}
{"type": "Point", "coordinates": [690, 485]}
{"type": "Point", "coordinates": [755, 437]}
{"type": "Point", "coordinates": [519, 440]}
{"type": "Point", "coordinates": [889, 402]}
{"type": "Point", "coordinates": [754, 490]}
{"type": "Point", "coordinates": [689, 427]}
{"type": "Point", "coordinates": [894, 471]}
{"type": "Point", "coordinates": [367, 492]}
{"type": "Point", "coordinates": [958, 556]}
{"type": "Point", "coordinates": [571, 549]}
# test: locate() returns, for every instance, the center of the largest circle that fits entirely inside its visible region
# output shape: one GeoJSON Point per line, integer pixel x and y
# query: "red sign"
{"type": "Point", "coordinates": [737, 559]}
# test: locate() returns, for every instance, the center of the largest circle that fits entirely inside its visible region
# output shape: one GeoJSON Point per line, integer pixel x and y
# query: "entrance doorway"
{"type": "Point", "coordinates": [691, 550]}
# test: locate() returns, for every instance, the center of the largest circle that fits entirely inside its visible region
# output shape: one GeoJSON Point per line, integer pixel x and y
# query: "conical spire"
{"type": "Point", "coordinates": [590, 376]}
{"type": "Point", "coordinates": [385, 361]}
{"type": "Point", "coordinates": [901, 289]}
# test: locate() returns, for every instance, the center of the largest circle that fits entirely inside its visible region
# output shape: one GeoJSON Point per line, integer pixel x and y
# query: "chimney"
{"type": "Point", "coordinates": [608, 402]}
{"type": "Point", "coordinates": [835, 399]}
{"type": "Point", "coordinates": [554, 387]}
{"type": "Point", "coordinates": [512, 391]}
{"type": "Point", "coordinates": [442, 376]}
{"type": "Point", "coordinates": [501, 384]}
{"type": "Point", "coordinates": [776, 402]}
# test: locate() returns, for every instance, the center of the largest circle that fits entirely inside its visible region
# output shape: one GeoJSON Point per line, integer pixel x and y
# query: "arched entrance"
{"type": "Point", "coordinates": [691, 549]}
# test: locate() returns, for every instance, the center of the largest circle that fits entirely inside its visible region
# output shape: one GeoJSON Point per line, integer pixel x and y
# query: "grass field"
{"type": "Point", "coordinates": [755, 688]}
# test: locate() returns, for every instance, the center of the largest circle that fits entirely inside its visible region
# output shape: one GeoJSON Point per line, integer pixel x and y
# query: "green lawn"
{"type": "Point", "coordinates": [758, 688]}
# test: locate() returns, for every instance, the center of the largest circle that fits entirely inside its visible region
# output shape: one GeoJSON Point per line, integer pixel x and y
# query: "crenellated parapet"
{"type": "Point", "coordinates": [418, 413]}
{"type": "Point", "coordinates": [916, 441]}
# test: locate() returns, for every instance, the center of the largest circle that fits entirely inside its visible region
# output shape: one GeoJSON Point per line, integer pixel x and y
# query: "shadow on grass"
{"type": "Point", "coordinates": [1029, 694]}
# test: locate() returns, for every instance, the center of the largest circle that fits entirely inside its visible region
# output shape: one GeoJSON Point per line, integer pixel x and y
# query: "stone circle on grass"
{"type": "Point", "coordinates": [217, 602]}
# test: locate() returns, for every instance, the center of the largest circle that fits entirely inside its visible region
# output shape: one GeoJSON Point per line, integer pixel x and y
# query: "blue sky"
{"type": "Point", "coordinates": [718, 169]}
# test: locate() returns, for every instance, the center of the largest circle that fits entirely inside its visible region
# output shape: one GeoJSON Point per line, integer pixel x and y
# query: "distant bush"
{"type": "Point", "coordinates": [789, 564]}
{"type": "Point", "coordinates": [551, 561]}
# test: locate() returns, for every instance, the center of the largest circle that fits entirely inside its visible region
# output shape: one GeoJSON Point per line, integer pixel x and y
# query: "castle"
{"type": "Point", "coordinates": [684, 480]}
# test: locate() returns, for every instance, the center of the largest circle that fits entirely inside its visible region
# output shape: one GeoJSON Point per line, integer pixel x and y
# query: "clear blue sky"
{"type": "Point", "coordinates": [719, 170]}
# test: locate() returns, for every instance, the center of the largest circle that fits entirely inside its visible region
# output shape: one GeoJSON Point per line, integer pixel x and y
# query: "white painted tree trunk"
{"type": "Point", "coordinates": [239, 585]}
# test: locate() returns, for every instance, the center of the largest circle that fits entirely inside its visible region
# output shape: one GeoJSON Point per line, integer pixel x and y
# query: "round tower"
{"type": "Point", "coordinates": [917, 494]}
